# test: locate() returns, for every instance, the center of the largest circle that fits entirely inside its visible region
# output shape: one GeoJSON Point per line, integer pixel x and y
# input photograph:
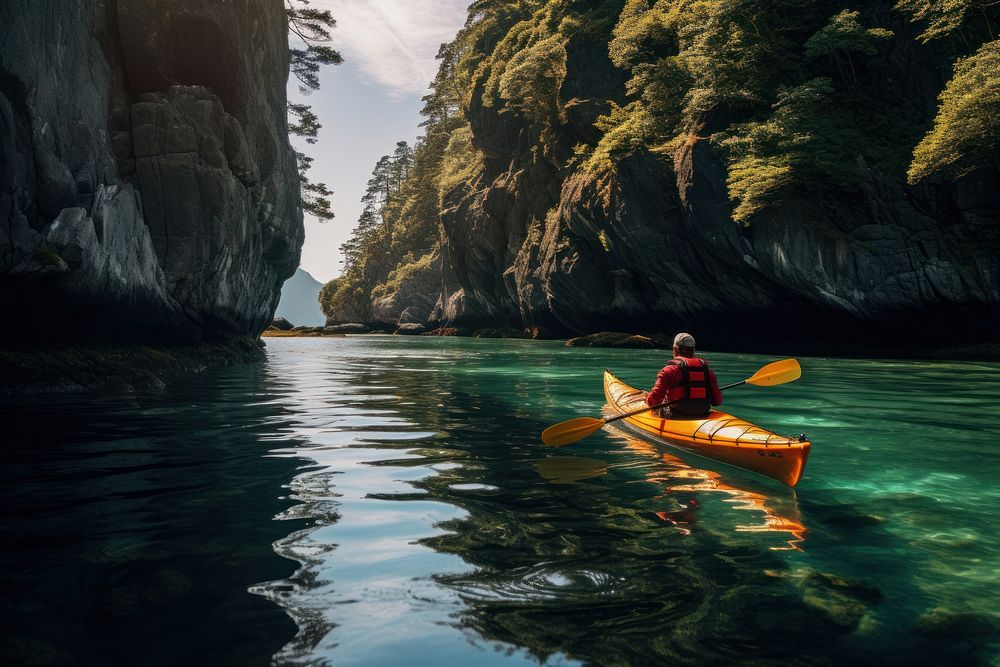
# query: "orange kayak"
{"type": "Point", "coordinates": [720, 436]}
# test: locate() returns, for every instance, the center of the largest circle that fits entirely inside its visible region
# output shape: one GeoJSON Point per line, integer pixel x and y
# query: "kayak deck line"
{"type": "Point", "coordinates": [719, 436]}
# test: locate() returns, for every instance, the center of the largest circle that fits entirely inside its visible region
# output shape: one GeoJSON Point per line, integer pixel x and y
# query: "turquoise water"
{"type": "Point", "coordinates": [381, 500]}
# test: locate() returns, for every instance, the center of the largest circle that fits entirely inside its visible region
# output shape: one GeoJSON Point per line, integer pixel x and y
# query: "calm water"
{"type": "Point", "coordinates": [383, 501]}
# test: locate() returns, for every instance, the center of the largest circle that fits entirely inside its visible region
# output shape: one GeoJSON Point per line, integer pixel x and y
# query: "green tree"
{"type": "Point", "coordinates": [310, 29]}
{"type": "Point", "coordinates": [315, 197]}
{"type": "Point", "coordinates": [306, 124]}
{"type": "Point", "coordinates": [372, 252]}
{"type": "Point", "coordinates": [401, 164]}
{"type": "Point", "coordinates": [966, 132]}
{"type": "Point", "coordinates": [844, 34]}
{"type": "Point", "coordinates": [532, 77]}
{"type": "Point", "coordinates": [801, 143]}
{"type": "Point", "coordinates": [946, 17]}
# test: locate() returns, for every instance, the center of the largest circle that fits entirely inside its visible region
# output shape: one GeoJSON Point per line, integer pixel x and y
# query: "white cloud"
{"type": "Point", "coordinates": [395, 41]}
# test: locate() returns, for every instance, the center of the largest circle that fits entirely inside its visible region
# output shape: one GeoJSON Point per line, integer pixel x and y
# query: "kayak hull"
{"type": "Point", "coordinates": [720, 436]}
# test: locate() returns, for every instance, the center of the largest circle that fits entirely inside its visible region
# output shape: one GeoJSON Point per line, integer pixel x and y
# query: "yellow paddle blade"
{"type": "Point", "coordinates": [778, 372]}
{"type": "Point", "coordinates": [570, 431]}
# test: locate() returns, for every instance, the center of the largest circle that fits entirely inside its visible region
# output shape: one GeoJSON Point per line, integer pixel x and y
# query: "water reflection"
{"type": "Point", "coordinates": [133, 525]}
{"type": "Point", "coordinates": [570, 469]}
{"type": "Point", "coordinates": [449, 529]}
{"type": "Point", "coordinates": [778, 511]}
{"type": "Point", "coordinates": [405, 480]}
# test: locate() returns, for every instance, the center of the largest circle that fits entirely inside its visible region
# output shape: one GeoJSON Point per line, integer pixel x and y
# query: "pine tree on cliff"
{"type": "Point", "coordinates": [312, 28]}
{"type": "Point", "coordinates": [401, 164]}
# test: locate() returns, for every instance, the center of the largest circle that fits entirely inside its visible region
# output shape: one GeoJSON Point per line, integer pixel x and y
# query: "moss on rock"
{"type": "Point", "coordinates": [617, 339]}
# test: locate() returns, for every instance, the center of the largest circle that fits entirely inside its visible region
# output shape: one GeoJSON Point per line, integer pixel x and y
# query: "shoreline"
{"type": "Point", "coordinates": [40, 368]}
{"type": "Point", "coordinates": [988, 352]}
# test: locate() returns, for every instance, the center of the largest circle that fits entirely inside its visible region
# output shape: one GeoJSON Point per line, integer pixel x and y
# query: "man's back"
{"type": "Point", "coordinates": [686, 382]}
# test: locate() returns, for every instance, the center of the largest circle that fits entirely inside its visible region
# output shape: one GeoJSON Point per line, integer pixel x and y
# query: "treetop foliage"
{"type": "Point", "coordinates": [845, 33]}
{"type": "Point", "coordinates": [947, 17]}
{"type": "Point", "coordinates": [310, 28]}
{"type": "Point", "coordinates": [966, 132]}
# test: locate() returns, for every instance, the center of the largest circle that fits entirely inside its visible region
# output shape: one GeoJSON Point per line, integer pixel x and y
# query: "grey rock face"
{"type": "Point", "coordinates": [147, 187]}
{"type": "Point", "coordinates": [413, 301]}
{"type": "Point", "coordinates": [411, 329]}
{"type": "Point", "coordinates": [282, 324]}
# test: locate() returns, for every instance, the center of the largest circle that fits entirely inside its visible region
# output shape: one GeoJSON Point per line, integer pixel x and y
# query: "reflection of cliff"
{"type": "Point", "coordinates": [587, 569]}
{"type": "Point", "coordinates": [584, 569]}
{"type": "Point", "coordinates": [147, 187]}
{"type": "Point", "coordinates": [134, 526]}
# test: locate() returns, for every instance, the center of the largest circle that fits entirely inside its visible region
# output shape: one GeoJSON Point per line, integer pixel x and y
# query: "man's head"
{"type": "Point", "coordinates": [683, 345]}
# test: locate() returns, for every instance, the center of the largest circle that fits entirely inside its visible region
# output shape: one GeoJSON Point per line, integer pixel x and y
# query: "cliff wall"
{"type": "Point", "coordinates": [648, 242]}
{"type": "Point", "coordinates": [148, 191]}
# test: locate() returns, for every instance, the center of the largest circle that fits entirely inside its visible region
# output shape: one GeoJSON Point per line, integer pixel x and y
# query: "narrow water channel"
{"type": "Point", "coordinates": [384, 500]}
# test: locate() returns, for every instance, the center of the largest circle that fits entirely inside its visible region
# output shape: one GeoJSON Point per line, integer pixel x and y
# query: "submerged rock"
{"type": "Point", "coordinates": [948, 625]}
{"type": "Point", "coordinates": [113, 368]}
{"type": "Point", "coordinates": [844, 602]}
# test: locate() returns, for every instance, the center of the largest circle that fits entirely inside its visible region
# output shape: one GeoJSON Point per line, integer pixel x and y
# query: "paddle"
{"type": "Point", "coordinates": [568, 432]}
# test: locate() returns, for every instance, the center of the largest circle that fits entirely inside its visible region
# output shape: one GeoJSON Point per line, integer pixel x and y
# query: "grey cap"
{"type": "Point", "coordinates": [684, 340]}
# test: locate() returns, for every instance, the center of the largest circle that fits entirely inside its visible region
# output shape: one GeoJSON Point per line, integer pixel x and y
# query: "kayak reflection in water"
{"type": "Point", "coordinates": [686, 382]}
{"type": "Point", "coordinates": [685, 516]}
{"type": "Point", "coordinates": [766, 512]}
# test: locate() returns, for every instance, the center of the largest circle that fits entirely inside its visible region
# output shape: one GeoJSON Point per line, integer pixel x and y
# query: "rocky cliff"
{"type": "Point", "coordinates": [647, 241]}
{"type": "Point", "coordinates": [147, 187]}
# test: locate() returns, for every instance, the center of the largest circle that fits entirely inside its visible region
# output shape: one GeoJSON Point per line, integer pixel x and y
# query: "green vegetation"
{"type": "Point", "coordinates": [396, 233]}
{"type": "Point", "coordinates": [46, 257]}
{"type": "Point", "coordinates": [944, 18]}
{"type": "Point", "coordinates": [966, 133]}
{"type": "Point", "coordinates": [407, 269]}
{"type": "Point", "coordinates": [799, 99]}
{"type": "Point", "coordinates": [843, 34]}
{"type": "Point", "coordinates": [310, 28]}
{"type": "Point", "coordinates": [799, 143]}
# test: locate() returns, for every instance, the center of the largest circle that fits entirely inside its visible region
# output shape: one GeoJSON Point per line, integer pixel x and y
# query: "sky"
{"type": "Point", "coordinates": [368, 103]}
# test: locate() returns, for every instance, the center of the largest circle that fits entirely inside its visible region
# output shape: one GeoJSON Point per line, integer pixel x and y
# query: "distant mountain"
{"type": "Point", "coordinates": [299, 302]}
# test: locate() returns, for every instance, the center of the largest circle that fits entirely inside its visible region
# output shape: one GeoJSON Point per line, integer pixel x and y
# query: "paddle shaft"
{"type": "Point", "coordinates": [608, 420]}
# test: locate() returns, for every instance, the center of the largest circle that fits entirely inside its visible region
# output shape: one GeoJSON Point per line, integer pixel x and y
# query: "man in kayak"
{"type": "Point", "coordinates": [686, 382]}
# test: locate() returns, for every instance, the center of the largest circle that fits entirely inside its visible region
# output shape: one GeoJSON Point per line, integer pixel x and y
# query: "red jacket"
{"type": "Point", "coordinates": [672, 377]}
